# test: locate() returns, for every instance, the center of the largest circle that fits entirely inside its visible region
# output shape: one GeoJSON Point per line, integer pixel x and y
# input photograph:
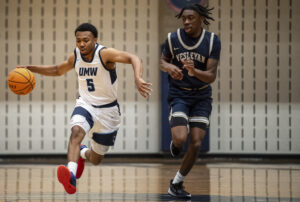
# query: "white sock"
{"type": "Point", "coordinates": [72, 166]}
{"type": "Point", "coordinates": [82, 152]}
{"type": "Point", "coordinates": [178, 178]}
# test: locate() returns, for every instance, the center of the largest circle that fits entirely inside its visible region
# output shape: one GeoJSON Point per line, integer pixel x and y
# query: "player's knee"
{"type": "Point", "coordinates": [77, 133]}
{"type": "Point", "coordinates": [196, 141]}
{"type": "Point", "coordinates": [179, 140]}
{"type": "Point", "coordinates": [97, 153]}
{"type": "Point", "coordinates": [96, 161]}
{"type": "Point", "coordinates": [179, 130]}
{"type": "Point", "coordinates": [76, 130]}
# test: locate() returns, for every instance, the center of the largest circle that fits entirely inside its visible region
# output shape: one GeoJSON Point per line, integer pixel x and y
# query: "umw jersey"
{"type": "Point", "coordinates": [179, 46]}
{"type": "Point", "coordinates": [97, 84]}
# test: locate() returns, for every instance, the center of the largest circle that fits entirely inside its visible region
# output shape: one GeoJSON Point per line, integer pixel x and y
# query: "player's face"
{"type": "Point", "coordinates": [191, 22]}
{"type": "Point", "coordinates": [85, 41]}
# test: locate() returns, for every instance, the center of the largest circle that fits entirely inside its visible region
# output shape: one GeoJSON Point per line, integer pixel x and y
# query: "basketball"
{"type": "Point", "coordinates": [21, 81]}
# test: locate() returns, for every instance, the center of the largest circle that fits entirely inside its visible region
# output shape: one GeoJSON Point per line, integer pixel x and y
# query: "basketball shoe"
{"type": "Point", "coordinates": [80, 164]}
{"type": "Point", "coordinates": [67, 179]}
{"type": "Point", "coordinates": [177, 190]}
{"type": "Point", "coordinates": [175, 151]}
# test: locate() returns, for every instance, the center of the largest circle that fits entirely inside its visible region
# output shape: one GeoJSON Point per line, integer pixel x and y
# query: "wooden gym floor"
{"type": "Point", "coordinates": [139, 182]}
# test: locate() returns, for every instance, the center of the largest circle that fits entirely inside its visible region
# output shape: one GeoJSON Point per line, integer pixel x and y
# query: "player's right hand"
{"type": "Point", "coordinates": [175, 72]}
{"type": "Point", "coordinates": [143, 87]}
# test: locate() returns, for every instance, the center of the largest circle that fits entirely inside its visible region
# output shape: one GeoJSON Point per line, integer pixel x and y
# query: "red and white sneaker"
{"type": "Point", "coordinates": [80, 164]}
{"type": "Point", "coordinates": [67, 179]}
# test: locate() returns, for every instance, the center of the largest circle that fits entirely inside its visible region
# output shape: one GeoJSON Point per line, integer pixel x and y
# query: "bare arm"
{"type": "Point", "coordinates": [172, 70]}
{"type": "Point", "coordinates": [207, 76]}
{"type": "Point", "coordinates": [111, 55]}
{"type": "Point", "coordinates": [52, 70]}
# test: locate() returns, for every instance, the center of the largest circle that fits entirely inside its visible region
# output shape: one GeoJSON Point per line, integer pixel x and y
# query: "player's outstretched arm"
{"type": "Point", "coordinates": [111, 55]}
{"type": "Point", "coordinates": [51, 70]}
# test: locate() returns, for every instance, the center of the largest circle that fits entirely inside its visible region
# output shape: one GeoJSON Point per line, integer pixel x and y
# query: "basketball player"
{"type": "Point", "coordinates": [190, 56]}
{"type": "Point", "coordinates": [96, 111]}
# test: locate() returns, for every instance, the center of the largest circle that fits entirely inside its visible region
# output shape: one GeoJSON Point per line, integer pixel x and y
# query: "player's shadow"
{"type": "Point", "coordinates": [200, 198]}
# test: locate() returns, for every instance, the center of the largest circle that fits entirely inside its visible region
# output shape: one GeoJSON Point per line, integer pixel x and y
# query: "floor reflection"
{"type": "Point", "coordinates": [149, 182]}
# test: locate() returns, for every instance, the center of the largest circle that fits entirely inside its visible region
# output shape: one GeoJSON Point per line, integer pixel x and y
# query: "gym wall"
{"type": "Point", "coordinates": [42, 32]}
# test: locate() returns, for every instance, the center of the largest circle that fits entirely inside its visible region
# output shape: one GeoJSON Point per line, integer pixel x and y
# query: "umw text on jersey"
{"type": "Point", "coordinates": [88, 71]}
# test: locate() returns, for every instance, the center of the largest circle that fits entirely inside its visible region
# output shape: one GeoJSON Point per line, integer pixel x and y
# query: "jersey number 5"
{"type": "Point", "coordinates": [90, 85]}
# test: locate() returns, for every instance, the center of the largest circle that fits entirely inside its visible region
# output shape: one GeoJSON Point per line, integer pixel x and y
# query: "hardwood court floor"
{"type": "Point", "coordinates": [149, 182]}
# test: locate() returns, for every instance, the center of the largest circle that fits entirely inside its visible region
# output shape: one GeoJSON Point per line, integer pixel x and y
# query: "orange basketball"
{"type": "Point", "coordinates": [21, 81]}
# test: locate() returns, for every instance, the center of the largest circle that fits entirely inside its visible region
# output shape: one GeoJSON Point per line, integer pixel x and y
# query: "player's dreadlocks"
{"type": "Point", "coordinates": [203, 11]}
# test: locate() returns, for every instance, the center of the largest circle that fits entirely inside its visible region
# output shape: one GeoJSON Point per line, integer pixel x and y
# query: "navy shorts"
{"type": "Point", "coordinates": [195, 110]}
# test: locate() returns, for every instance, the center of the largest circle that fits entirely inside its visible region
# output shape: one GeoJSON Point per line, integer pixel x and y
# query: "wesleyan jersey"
{"type": "Point", "coordinates": [179, 46]}
{"type": "Point", "coordinates": [97, 84]}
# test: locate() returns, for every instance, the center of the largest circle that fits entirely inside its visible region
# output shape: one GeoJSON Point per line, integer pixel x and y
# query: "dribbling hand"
{"type": "Point", "coordinates": [175, 72]}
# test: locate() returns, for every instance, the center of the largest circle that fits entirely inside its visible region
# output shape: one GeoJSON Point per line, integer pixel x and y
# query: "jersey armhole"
{"type": "Point", "coordinates": [75, 57]}
{"type": "Point", "coordinates": [211, 43]}
{"type": "Point", "coordinates": [170, 44]}
{"type": "Point", "coordinates": [102, 60]}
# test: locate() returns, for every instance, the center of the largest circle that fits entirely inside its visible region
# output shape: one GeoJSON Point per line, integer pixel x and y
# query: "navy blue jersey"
{"type": "Point", "coordinates": [179, 46]}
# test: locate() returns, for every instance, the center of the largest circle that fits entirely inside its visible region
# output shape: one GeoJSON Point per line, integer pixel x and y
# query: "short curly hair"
{"type": "Point", "coordinates": [87, 27]}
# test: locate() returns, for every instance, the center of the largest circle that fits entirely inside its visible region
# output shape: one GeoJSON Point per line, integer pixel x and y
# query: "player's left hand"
{"type": "Point", "coordinates": [143, 87]}
{"type": "Point", "coordinates": [189, 66]}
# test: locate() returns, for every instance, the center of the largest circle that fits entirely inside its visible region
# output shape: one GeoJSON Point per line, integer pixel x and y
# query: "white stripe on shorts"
{"type": "Point", "coordinates": [180, 114]}
{"type": "Point", "coordinates": [200, 119]}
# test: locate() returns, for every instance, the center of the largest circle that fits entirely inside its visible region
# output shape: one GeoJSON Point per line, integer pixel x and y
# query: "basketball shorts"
{"type": "Point", "coordinates": [190, 112]}
{"type": "Point", "coordinates": [100, 122]}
